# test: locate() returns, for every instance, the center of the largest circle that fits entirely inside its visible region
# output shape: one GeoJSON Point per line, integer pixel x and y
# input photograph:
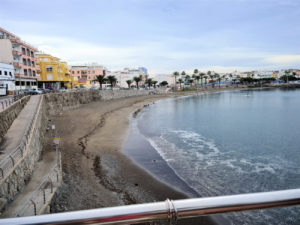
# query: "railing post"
{"type": "Point", "coordinates": [34, 206]}
{"type": "Point", "coordinates": [2, 174]}
{"type": "Point", "coordinates": [2, 105]}
{"type": "Point", "coordinates": [44, 195]}
{"type": "Point", "coordinates": [13, 161]}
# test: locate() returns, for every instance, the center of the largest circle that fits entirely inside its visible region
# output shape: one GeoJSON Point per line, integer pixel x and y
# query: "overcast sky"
{"type": "Point", "coordinates": [162, 35]}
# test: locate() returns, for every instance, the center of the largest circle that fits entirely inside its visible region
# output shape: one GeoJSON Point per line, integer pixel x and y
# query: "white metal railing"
{"type": "Point", "coordinates": [167, 210]}
{"type": "Point", "coordinates": [10, 161]}
{"type": "Point", "coordinates": [40, 196]}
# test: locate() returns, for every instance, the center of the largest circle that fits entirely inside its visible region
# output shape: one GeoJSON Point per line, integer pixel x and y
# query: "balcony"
{"type": "Point", "coordinates": [18, 53]}
{"type": "Point", "coordinates": [17, 64]}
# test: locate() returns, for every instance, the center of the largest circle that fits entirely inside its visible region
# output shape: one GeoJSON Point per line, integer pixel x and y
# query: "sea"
{"type": "Point", "coordinates": [231, 142]}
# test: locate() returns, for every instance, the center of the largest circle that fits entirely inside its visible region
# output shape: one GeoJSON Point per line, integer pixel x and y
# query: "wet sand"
{"type": "Point", "coordinates": [96, 173]}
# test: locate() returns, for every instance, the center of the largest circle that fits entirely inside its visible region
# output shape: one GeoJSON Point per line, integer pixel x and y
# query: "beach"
{"type": "Point", "coordinates": [95, 171]}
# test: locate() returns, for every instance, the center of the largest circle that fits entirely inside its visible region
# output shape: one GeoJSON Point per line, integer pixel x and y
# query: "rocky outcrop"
{"type": "Point", "coordinates": [8, 115]}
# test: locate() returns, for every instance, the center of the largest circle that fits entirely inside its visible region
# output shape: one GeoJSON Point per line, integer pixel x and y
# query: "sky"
{"type": "Point", "coordinates": [161, 35]}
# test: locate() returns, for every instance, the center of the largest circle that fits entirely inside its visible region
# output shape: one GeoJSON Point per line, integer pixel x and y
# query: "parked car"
{"type": "Point", "coordinates": [34, 91]}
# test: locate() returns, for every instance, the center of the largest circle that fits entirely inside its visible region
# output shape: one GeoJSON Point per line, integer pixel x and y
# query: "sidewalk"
{"type": "Point", "coordinates": [17, 130]}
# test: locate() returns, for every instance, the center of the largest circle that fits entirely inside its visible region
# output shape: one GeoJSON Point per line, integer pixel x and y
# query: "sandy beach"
{"type": "Point", "coordinates": [96, 172]}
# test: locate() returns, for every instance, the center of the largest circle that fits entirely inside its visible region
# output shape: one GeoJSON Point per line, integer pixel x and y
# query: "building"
{"type": "Point", "coordinates": [7, 78]}
{"type": "Point", "coordinates": [128, 74]}
{"type": "Point", "coordinates": [86, 74]}
{"type": "Point", "coordinates": [54, 74]}
{"type": "Point", "coordinates": [24, 59]}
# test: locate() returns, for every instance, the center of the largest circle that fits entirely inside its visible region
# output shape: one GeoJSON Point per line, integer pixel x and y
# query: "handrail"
{"type": "Point", "coordinates": [39, 195]}
{"type": "Point", "coordinates": [6, 164]}
{"type": "Point", "coordinates": [167, 210]}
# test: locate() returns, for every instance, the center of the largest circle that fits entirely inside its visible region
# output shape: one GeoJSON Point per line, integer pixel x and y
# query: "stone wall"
{"type": "Point", "coordinates": [8, 115]}
{"type": "Point", "coordinates": [109, 94]}
{"type": "Point", "coordinates": [57, 102]}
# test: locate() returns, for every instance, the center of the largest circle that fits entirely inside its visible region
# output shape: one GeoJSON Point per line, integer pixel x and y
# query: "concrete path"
{"type": "Point", "coordinates": [41, 171]}
{"type": "Point", "coordinates": [15, 133]}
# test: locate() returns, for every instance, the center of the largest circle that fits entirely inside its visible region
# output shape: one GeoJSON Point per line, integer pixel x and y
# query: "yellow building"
{"type": "Point", "coordinates": [54, 74]}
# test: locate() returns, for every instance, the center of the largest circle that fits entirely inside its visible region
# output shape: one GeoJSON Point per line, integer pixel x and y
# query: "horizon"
{"type": "Point", "coordinates": [218, 35]}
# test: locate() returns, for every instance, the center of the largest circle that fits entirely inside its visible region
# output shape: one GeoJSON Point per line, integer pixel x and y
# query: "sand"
{"type": "Point", "coordinates": [95, 171]}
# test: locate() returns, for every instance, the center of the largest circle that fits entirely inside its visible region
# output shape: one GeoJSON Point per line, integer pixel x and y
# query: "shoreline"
{"type": "Point", "coordinates": [97, 173]}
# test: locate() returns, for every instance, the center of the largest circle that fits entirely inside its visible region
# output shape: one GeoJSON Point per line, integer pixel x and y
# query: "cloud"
{"type": "Point", "coordinates": [284, 60]}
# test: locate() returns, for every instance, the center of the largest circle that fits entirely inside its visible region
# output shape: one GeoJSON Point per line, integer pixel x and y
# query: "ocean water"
{"type": "Point", "coordinates": [226, 143]}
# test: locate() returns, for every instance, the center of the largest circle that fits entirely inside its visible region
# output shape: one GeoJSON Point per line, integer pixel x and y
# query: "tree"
{"type": "Point", "coordinates": [164, 83]}
{"type": "Point", "coordinates": [180, 81]}
{"type": "Point", "coordinates": [101, 79]}
{"type": "Point", "coordinates": [183, 73]}
{"type": "Point", "coordinates": [149, 82]}
{"type": "Point", "coordinates": [187, 79]}
{"type": "Point", "coordinates": [211, 76]}
{"type": "Point", "coordinates": [287, 74]}
{"type": "Point", "coordinates": [175, 74]}
{"type": "Point", "coordinates": [197, 78]}
{"type": "Point", "coordinates": [137, 80]}
{"type": "Point", "coordinates": [112, 80]}
{"type": "Point", "coordinates": [129, 82]}
{"type": "Point", "coordinates": [196, 71]}
{"type": "Point", "coordinates": [154, 83]}
{"type": "Point", "coordinates": [218, 77]}
{"type": "Point", "coordinates": [201, 77]}
{"type": "Point", "coordinates": [205, 79]}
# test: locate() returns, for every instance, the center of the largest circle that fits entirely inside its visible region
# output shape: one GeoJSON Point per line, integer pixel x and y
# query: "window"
{"type": "Point", "coordinates": [28, 62]}
{"type": "Point", "coordinates": [25, 72]}
{"type": "Point", "coordinates": [78, 72]}
{"type": "Point", "coordinates": [24, 62]}
{"type": "Point", "coordinates": [5, 73]}
{"type": "Point", "coordinates": [89, 72]}
{"type": "Point", "coordinates": [23, 51]}
{"type": "Point", "coordinates": [32, 63]}
{"type": "Point", "coordinates": [29, 71]}
{"type": "Point", "coordinates": [33, 73]}
{"type": "Point", "coordinates": [27, 83]}
{"type": "Point", "coordinates": [31, 53]}
{"type": "Point", "coordinates": [10, 74]}
{"type": "Point", "coordinates": [93, 71]}
{"type": "Point", "coordinates": [28, 52]}
{"type": "Point", "coordinates": [46, 59]}
{"type": "Point", "coordinates": [89, 78]}
{"type": "Point", "coordinates": [0, 72]}
{"type": "Point", "coordinates": [17, 83]}
{"type": "Point", "coordinates": [22, 83]}
{"type": "Point", "coordinates": [49, 68]}
{"type": "Point", "coordinates": [72, 72]}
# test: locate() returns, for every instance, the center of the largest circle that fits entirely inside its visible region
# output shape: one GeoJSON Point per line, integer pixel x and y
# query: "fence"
{"type": "Point", "coordinates": [37, 202]}
{"type": "Point", "coordinates": [12, 160]}
{"type": "Point", "coordinates": [6, 102]}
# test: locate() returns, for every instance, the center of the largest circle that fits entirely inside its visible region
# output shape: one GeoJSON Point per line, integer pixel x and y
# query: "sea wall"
{"type": "Point", "coordinates": [58, 102]}
{"type": "Point", "coordinates": [110, 94]}
{"type": "Point", "coordinates": [8, 115]}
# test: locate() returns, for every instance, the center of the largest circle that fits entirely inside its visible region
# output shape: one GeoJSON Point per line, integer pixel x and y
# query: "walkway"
{"type": "Point", "coordinates": [40, 173]}
{"type": "Point", "coordinates": [17, 130]}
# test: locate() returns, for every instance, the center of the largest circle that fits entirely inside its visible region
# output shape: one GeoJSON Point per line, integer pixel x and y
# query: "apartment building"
{"type": "Point", "coordinates": [54, 74]}
{"type": "Point", "coordinates": [24, 59]}
{"type": "Point", "coordinates": [86, 74]}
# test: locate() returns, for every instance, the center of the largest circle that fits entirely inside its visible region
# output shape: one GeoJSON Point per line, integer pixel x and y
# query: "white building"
{"type": "Point", "coordinates": [7, 77]}
{"type": "Point", "coordinates": [128, 74]}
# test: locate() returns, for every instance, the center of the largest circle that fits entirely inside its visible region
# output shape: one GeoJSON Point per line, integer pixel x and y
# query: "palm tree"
{"type": "Point", "coordinates": [201, 77]}
{"type": "Point", "coordinates": [149, 82]}
{"type": "Point", "coordinates": [180, 81]}
{"type": "Point", "coordinates": [164, 83]}
{"type": "Point", "coordinates": [187, 79]}
{"type": "Point", "coordinates": [197, 78]}
{"type": "Point", "coordinates": [211, 76]}
{"type": "Point", "coordinates": [101, 79]}
{"type": "Point", "coordinates": [205, 79]}
{"type": "Point", "coordinates": [137, 80]}
{"type": "Point", "coordinates": [112, 80]}
{"type": "Point", "coordinates": [230, 75]}
{"type": "Point", "coordinates": [183, 73]}
{"type": "Point", "coordinates": [129, 82]}
{"type": "Point", "coordinates": [218, 78]}
{"type": "Point", "coordinates": [196, 71]}
{"type": "Point", "coordinates": [287, 74]}
{"type": "Point", "coordinates": [175, 74]}
{"type": "Point", "coordinates": [154, 83]}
